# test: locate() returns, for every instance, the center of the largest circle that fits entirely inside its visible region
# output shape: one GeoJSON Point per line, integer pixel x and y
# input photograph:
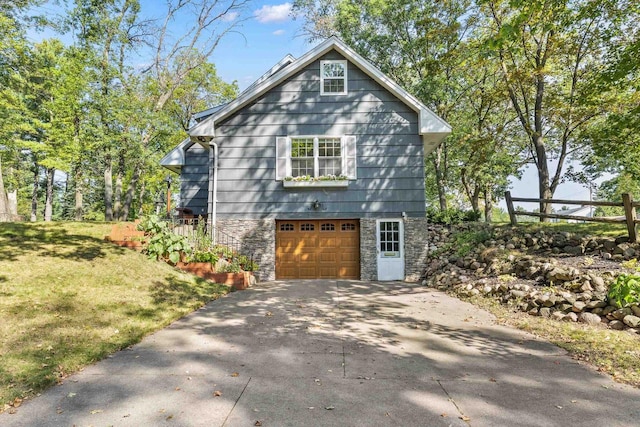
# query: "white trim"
{"type": "Point", "coordinates": [338, 183]}
{"type": "Point", "coordinates": [430, 124]}
{"type": "Point", "coordinates": [175, 159]}
{"type": "Point", "coordinates": [344, 78]}
{"type": "Point", "coordinates": [316, 153]}
{"type": "Point", "coordinates": [390, 267]}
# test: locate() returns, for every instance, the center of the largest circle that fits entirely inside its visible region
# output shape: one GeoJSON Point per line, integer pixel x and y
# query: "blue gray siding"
{"type": "Point", "coordinates": [390, 162]}
{"type": "Point", "coordinates": [194, 180]}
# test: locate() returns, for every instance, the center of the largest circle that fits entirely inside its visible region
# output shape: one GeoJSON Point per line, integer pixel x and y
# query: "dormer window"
{"type": "Point", "coordinates": [333, 77]}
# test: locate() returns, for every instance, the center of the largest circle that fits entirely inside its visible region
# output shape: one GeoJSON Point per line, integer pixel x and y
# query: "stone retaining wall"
{"type": "Point", "coordinates": [257, 237]}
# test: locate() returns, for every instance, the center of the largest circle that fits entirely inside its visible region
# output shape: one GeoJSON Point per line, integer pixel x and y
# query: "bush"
{"type": "Point", "coordinates": [162, 244]}
{"type": "Point", "coordinates": [451, 216]}
{"type": "Point", "coordinates": [625, 290]}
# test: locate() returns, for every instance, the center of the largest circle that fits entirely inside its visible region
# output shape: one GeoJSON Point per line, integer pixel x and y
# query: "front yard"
{"type": "Point", "coordinates": [68, 299]}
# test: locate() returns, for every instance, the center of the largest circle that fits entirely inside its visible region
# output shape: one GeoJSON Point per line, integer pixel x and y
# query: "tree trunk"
{"type": "Point", "coordinates": [78, 210]}
{"type": "Point", "coordinates": [34, 193]}
{"type": "Point", "coordinates": [4, 200]}
{"type": "Point", "coordinates": [543, 175]}
{"type": "Point", "coordinates": [117, 208]}
{"type": "Point", "coordinates": [438, 163]}
{"type": "Point", "coordinates": [137, 171]}
{"type": "Point", "coordinates": [108, 190]}
{"type": "Point", "coordinates": [48, 201]}
{"type": "Point", "coordinates": [143, 189]}
{"type": "Point", "coordinates": [488, 205]}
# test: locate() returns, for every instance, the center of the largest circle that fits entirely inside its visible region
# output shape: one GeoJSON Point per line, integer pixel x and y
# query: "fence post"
{"type": "Point", "coordinates": [630, 216]}
{"type": "Point", "coordinates": [512, 213]}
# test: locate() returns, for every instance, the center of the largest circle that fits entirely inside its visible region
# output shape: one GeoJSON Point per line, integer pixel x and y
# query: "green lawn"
{"type": "Point", "coordinates": [587, 228]}
{"type": "Point", "coordinates": [68, 298]}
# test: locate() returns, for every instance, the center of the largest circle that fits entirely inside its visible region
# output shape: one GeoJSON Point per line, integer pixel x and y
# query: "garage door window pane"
{"type": "Point", "coordinates": [307, 227]}
{"type": "Point", "coordinates": [328, 227]}
{"type": "Point", "coordinates": [286, 227]}
{"type": "Point", "coordinates": [349, 227]}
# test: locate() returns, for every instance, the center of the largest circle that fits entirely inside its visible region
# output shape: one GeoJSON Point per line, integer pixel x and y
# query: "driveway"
{"type": "Point", "coordinates": [336, 353]}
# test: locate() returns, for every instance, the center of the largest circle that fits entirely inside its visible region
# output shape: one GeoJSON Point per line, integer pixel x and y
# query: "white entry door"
{"type": "Point", "coordinates": [390, 249]}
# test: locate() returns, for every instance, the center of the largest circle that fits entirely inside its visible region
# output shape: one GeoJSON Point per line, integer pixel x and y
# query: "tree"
{"type": "Point", "coordinates": [550, 54]}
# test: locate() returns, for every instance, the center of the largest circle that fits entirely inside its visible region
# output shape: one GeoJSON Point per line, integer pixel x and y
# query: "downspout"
{"type": "Point", "coordinates": [213, 188]}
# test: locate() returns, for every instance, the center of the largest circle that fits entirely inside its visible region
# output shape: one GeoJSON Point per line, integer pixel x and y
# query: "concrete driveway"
{"type": "Point", "coordinates": [336, 353]}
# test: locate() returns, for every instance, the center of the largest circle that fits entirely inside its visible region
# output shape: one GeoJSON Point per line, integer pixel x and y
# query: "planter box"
{"type": "Point", "coordinates": [238, 281]}
{"type": "Point", "coordinates": [126, 235]}
{"type": "Point", "coordinates": [316, 184]}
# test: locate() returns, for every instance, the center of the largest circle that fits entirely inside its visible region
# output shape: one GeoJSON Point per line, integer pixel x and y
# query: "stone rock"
{"type": "Point", "coordinates": [608, 309]}
{"type": "Point", "coordinates": [545, 312]}
{"type": "Point", "coordinates": [596, 304]}
{"type": "Point", "coordinates": [578, 306]}
{"type": "Point", "coordinates": [632, 321]}
{"type": "Point", "coordinates": [606, 255]}
{"type": "Point", "coordinates": [557, 315]}
{"type": "Point", "coordinates": [616, 324]}
{"type": "Point", "coordinates": [589, 318]}
{"type": "Point", "coordinates": [621, 313]}
{"type": "Point", "coordinates": [636, 310]}
{"type": "Point", "coordinates": [570, 317]}
{"type": "Point", "coordinates": [573, 250]}
{"type": "Point", "coordinates": [598, 284]}
{"type": "Point", "coordinates": [586, 286]}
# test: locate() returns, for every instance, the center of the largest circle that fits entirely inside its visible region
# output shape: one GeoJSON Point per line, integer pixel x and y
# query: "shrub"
{"type": "Point", "coordinates": [451, 216]}
{"type": "Point", "coordinates": [162, 244]}
{"type": "Point", "coordinates": [204, 256]}
{"type": "Point", "coordinates": [625, 290]}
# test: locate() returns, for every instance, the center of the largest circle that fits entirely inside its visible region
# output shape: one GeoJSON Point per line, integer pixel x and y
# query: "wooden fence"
{"type": "Point", "coordinates": [630, 218]}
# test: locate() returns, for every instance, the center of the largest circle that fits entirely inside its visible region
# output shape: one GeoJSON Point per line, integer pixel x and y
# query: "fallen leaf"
{"type": "Point", "coordinates": [269, 314]}
{"type": "Point", "coordinates": [96, 411]}
{"type": "Point", "coordinates": [558, 406]}
{"type": "Point", "coordinates": [443, 415]}
{"type": "Point", "coordinates": [12, 411]}
{"type": "Point", "coordinates": [177, 388]}
{"type": "Point", "coordinates": [235, 374]}
{"type": "Point", "coordinates": [169, 417]}
{"type": "Point", "coordinates": [465, 418]}
{"type": "Point", "coordinates": [16, 402]}
{"type": "Point", "coordinates": [217, 393]}
{"type": "Point", "coordinates": [257, 423]}
{"type": "Point", "coordinates": [311, 407]}
{"type": "Point", "coordinates": [71, 394]}
{"type": "Point", "coordinates": [329, 408]}
{"type": "Point", "coordinates": [493, 380]}
{"type": "Point", "coordinates": [573, 401]}
{"type": "Point", "coordinates": [59, 410]}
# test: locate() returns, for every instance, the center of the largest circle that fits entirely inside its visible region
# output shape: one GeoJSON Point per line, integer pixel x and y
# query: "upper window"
{"type": "Point", "coordinates": [333, 77]}
{"type": "Point", "coordinates": [328, 160]}
{"type": "Point", "coordinates": [316, 156]}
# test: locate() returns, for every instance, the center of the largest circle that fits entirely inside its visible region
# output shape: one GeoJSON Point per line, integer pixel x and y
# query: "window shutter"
{"type": "Point", "coordinates": [283, 156]}
{"type": "Point", "coordinates": [349, 156]}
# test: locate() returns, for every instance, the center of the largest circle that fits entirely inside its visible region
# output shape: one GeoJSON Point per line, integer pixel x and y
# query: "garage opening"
{"type": "Point", "coordinates": [318, 249]}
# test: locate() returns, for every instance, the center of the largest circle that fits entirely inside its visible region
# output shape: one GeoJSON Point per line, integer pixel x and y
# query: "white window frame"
{"type": "Point", "coordinates": [284, 157]}
{"type": "Point", "coordinates": [322, 76]}
{"type": "Point", "coordinates": [316, 152]}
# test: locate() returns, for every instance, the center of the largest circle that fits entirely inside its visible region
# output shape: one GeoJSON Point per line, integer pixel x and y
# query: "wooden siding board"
{"type": "Point", "coordinates": [390, 151]}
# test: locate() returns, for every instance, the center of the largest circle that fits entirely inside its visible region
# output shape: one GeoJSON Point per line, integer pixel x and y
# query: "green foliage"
{"type": "Point", "coordinates": [466, 241]}
{"type": "Point", "coordinates": [231, 267]}
{"type": "Point", "coordinates": [247, 264]}
{"type": "Point", "coordinates": [206, 256]}
{"type": "Point", "coordinates": [451, 216]}
{"type": "Point", "coordinates": [625, 290]}
{"type": "Point", "coordinates": [162, 243]}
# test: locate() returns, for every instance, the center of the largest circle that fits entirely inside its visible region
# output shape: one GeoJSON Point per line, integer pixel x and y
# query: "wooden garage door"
{"type": "Point", "coordinates": [318, 249]}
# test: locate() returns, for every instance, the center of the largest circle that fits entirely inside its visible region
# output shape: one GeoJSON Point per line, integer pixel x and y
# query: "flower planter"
{"type": "Point", "coordinates": [316, 184]}
{"type": "Point", "coordinates": [204, 270]}
{"type": "Point", "coordinates": [127, 236]}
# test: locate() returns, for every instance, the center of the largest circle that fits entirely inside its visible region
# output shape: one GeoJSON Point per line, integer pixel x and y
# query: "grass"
{"type": "Point", "coordinates": [68, 299]}
{"type": "Point", "coordinates": [587, 228]}
{"type": "Point", "coordinates": [614, 352]}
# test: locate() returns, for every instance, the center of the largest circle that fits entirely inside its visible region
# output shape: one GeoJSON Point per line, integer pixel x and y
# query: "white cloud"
{"type": "Point", "coordinates": [278, 32]}
{"type": "Point", "coordinates": [231, 16]}
{"type": "Point", "coordinates": [273, 13]}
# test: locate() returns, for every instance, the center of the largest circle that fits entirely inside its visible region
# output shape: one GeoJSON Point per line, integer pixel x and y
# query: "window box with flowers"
{"type": "Point", "coordinates": [306, 181]}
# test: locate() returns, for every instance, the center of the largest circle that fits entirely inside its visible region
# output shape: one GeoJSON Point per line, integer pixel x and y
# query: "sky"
{"type": "Point", "coordinates": [266, 34]}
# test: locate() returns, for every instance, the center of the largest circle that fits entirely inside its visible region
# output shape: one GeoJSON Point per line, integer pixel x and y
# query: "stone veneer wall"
{"type": "Point", "coordinates": [368, 253]}
{"type": "Point", "coordinates": [416, 239]}
{"type": "Point", "coordinates": [416, 248]}
{"type": "Point", "coordinates": [257, 236]}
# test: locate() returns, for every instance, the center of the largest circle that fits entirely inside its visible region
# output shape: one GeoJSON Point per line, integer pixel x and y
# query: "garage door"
{"type": "Point", "coordinates": [325, 249]}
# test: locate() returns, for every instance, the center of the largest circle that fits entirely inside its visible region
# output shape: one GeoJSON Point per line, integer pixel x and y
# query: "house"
{"type": "Point", "coordinates": [317, 168]}
{"type": "Point", "coordinates": [582, 211]}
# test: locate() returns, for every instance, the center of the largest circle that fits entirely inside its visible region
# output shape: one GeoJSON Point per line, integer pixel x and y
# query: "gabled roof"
{"type": "Point", "coordinates": [174, 159]}
{"type": "Point", "coordinates": [432, 128]}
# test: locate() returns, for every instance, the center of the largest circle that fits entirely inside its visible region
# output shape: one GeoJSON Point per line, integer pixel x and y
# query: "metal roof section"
{"type": "Point", "coordinates": [206, 113]}
{"type": "Point", "coordinates": [174, 159]}
{"type": "Point", "coordinates": [432, 128]}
